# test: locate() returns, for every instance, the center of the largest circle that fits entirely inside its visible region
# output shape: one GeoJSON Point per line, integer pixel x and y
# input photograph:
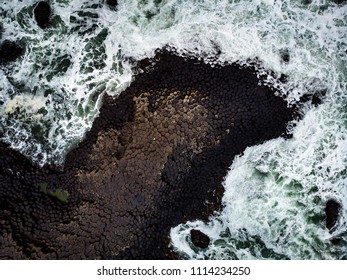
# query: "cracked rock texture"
{"type": "Point", "coordinates": [155, 157]}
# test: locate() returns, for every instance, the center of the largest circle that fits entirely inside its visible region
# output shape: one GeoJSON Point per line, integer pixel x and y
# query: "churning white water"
{"type": "Point", "coordinates": [275, 192]}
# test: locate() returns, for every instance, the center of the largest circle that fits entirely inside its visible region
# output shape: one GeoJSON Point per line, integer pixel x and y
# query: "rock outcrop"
{"type": "Point", "coordinates": [155, 157]}
{"type": "Point", "coordinates": [332, 209]}
{"type": "Point", "coordinates": [42, 13]}
{"type": "Point", "coordinates": [10, 51]}
{"type": "Point", "coordinates": [112, 3]}
{"type": "Point", "coordinates": [199, 238]}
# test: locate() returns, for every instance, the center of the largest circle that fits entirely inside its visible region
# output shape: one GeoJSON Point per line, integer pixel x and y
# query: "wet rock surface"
{"type": "Point", "coordinates": [155, 157]}
{"type": "Point", "coordinates": [10, 51]}
{"type": "Point", "coordinates": [332, 209]}
{"type": "Point", "coordinates": [42, 13]}
{"type": "Point", "coordinates": [112, 3]}
{"type": "Point", "coordinates": [199, 239]}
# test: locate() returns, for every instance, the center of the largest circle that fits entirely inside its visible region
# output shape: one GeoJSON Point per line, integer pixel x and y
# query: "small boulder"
{"type": "Point", "coordinates": [112, 3]}
{"type": "Point", "coordinates": [199, 239]}
{"type": "Point", "coordinates": [285, 56]}
{"type": "Point", "coordinates": [332, 209]}
{"type": "Point", "coordinates": [10, 51]}
{"type": "Point", "coordinates": [42, 13]}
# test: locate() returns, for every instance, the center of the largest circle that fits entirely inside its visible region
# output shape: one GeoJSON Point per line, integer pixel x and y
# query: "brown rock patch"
{"type": "Point", "coordinates": [155, 157]}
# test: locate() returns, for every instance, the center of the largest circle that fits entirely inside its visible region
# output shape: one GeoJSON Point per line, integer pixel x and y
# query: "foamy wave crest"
{"type": "Point", "coordinates": [275, 194]}
{"type": "Point", "coordinates": [86, 49]}
{"type": "Point", "coordinates": [51, 95]}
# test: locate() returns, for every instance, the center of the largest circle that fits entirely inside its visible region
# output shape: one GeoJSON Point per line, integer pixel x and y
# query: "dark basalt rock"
{"type": "Point", "coordinates": [315, 98]}
{"type": "Point", "coordinates": [336, 241]}
{"type": "Point", "coordinates": [42, 13]}
{"type": "Point", "coordinates": [112, 3]}
{"type": "Point", "coordinates": [283, 78]}
{"type": "Point", "coordinates": [332, 209]}
{"type": "Point", "coordinates": [199, 239]}
{"type": "Point", "coordinates": [155, 157]}
{"type": "Point", "coordinates": [10, 51]}
{"type": "Point", "coordinates": [339, 1]}
{"type": "Point", "coordinates": [285, 57]}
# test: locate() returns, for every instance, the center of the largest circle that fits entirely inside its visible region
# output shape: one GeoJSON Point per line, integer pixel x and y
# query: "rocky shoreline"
{"type": "Point", "coordinates": [155, 157]}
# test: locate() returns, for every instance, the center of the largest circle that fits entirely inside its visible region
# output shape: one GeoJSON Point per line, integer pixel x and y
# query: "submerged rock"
{"type": "Point", "coordinates": [42, 13]}
{"type": "Point", "coordinates": [10, 51]}
{"type": "Point", "coordinates": [332, 209]}
{"type": "Point", "coordinates": [199, 238]}
{"type": "Point", "coordinates": [285, 56]}
{"type": "Point", "coordinates": [339, 1]}
{"type": "Point", "coordinates": [315, 98]}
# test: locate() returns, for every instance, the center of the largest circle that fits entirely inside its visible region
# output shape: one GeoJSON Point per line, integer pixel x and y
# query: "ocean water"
{"type": "Point", "coordinates": [275, 193]}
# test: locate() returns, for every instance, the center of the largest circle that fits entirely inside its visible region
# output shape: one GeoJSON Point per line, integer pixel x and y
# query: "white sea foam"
{"type": "Point", "coordinates": [84, 53]}
{"type": "Point", "coordinates": [275, 192]}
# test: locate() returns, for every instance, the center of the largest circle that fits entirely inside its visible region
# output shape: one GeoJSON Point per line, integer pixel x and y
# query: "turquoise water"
{"type": "Point", "coordinates": [276, 192]}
